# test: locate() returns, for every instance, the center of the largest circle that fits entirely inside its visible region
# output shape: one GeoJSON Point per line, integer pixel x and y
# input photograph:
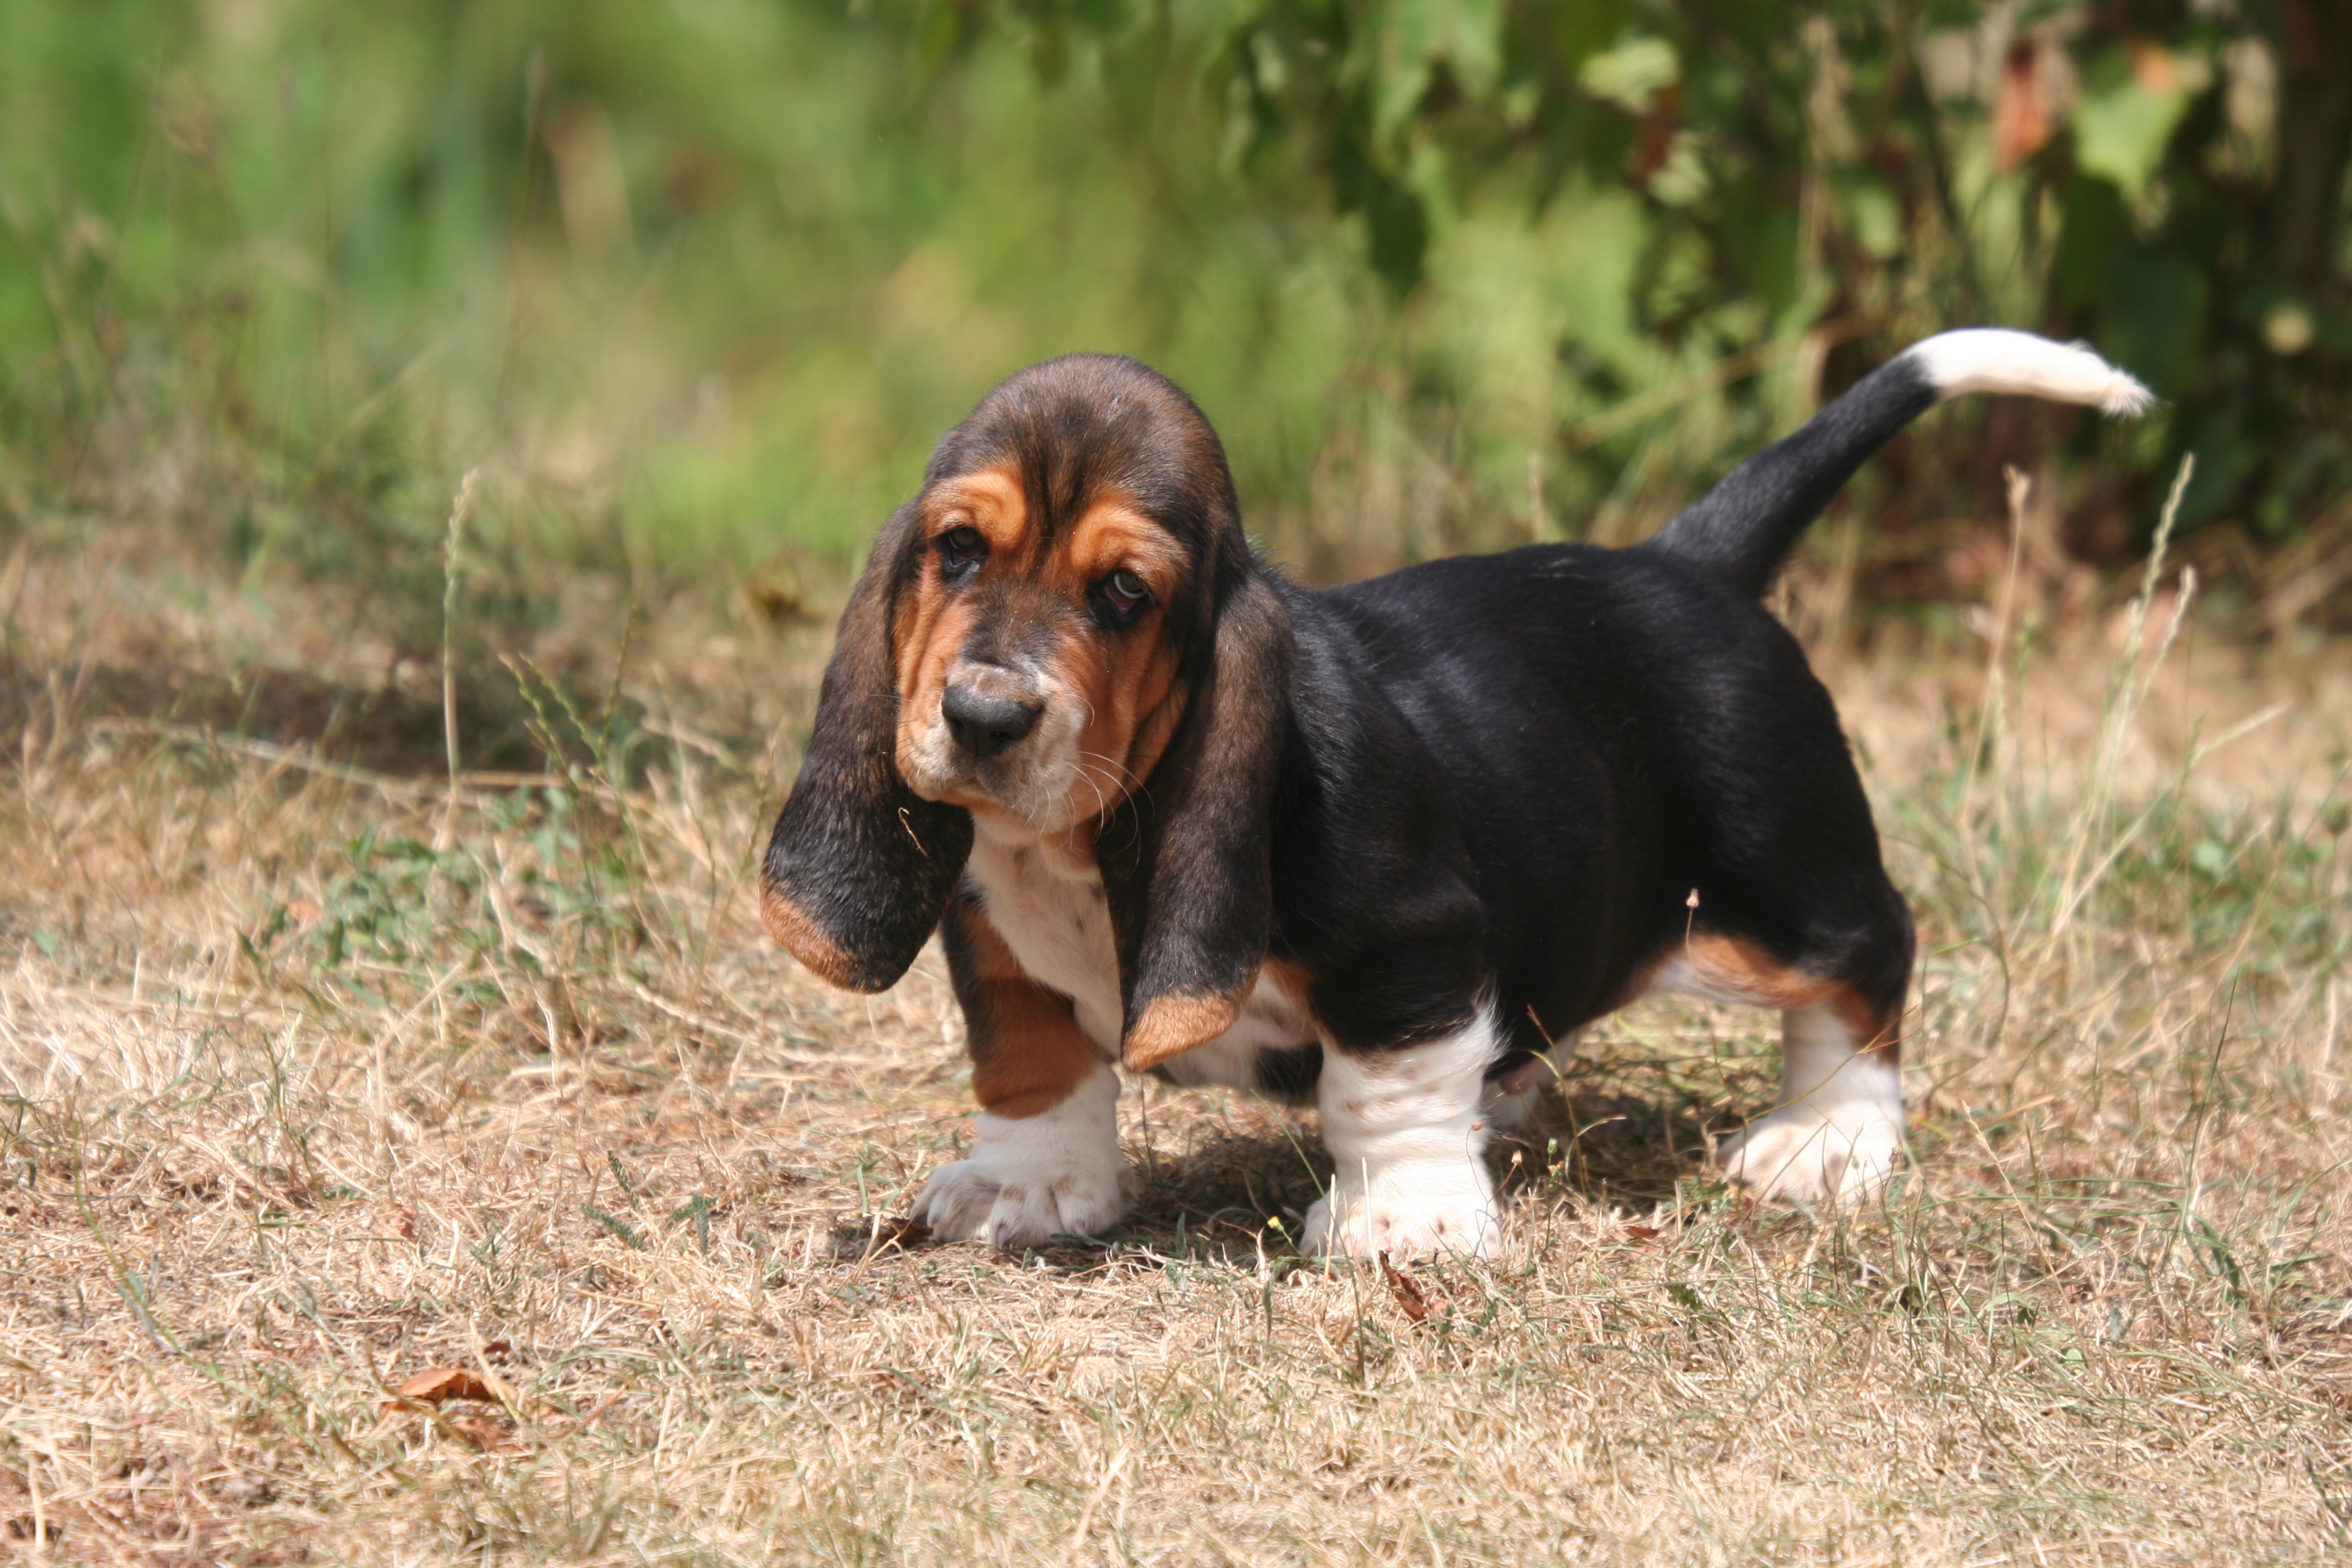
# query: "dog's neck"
{"type": "Point", "coordinates": [1069, 853]}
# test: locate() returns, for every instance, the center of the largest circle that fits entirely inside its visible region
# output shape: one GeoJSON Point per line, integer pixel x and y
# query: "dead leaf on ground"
{"type": "Point", "coordinates": [905, 1233]}
{"type": "Point", "coordinates": [863, 1242]}
{"type": "Point", "coordinates": [1416, 1302]}
{"type": "Point", "coordinates": [436, 1384]}
{"type": "Point", "coordinates": [776, 596]}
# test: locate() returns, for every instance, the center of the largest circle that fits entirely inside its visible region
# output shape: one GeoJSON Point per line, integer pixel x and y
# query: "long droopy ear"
{"type": "Point", "coordinates": [860, 867]}
{"type": "Point", "coordinates": [1187, 861]}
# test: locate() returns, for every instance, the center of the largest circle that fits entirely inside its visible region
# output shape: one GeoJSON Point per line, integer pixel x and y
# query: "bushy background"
{"type": "Point", "coordinates": [700, 282]}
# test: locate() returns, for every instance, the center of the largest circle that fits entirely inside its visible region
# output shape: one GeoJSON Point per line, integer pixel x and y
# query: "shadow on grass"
{"type": "Point", "coordinates": [395, 728]}
{"type": "Point", "coordinates": [1239, 1197]}
{"type": "Point", "coordinates": [1607, 1146]}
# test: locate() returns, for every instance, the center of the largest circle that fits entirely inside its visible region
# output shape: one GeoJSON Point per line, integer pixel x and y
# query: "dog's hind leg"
{"type": "Point", "coordinates": [1836, 1129]}
{"type": "Point", "coordinates": [1789, 906]}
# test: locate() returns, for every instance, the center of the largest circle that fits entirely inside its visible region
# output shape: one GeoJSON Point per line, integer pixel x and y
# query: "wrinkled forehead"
{"type": "Point", "coordinates": [1067, 440]}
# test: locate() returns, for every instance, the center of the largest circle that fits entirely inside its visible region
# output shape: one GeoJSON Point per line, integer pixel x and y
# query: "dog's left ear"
{"type": "Point", "coordinates": [1187, 861]}
{"type": "Point", "coordinates": [860, 867]}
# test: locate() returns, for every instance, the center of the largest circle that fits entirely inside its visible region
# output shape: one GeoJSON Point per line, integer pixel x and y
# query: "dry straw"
{"type": "Point", "coordinates": [315, 1079]}
{"type": "Point", "coordinates": [460, 508]}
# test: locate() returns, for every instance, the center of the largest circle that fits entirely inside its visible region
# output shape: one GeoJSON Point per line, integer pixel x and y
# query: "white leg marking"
{"type": "Point", "coordinates": [1405, 1128]}
{"type": "Point", "coordinates": [1839, 1127]}
{"type": "Point", "coordinates": [1058, 1174]}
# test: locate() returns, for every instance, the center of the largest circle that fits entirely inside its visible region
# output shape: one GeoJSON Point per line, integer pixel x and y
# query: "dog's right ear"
{"type": "Point", "coordinates": [860, 867]}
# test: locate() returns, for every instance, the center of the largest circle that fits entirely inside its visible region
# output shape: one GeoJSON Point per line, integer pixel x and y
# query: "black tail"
{"type": "Point", "coordinates": [1744, 527]}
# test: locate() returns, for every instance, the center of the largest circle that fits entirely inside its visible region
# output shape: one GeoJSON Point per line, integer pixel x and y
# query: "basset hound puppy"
{"type": "Point", "coordinates": [1379, 847]}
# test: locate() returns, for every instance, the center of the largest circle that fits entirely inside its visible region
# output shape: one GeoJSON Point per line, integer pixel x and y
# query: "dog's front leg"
{"type": "Point", "coordinates": [1406, 1131]}
{"type": "Point", "coordinates": [1029, 1178]}
{"type": "Point", "coordinates": [1046, 1158]}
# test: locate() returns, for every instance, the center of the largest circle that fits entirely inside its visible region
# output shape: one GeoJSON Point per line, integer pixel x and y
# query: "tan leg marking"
{"type": "Point", "coordinates": [1028, 1054]}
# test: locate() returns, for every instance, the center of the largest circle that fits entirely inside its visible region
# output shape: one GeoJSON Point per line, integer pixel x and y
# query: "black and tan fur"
{"type": "Point", "coordinates": [1378, 845]}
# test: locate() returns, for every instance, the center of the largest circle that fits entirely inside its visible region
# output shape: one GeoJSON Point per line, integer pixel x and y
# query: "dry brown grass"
{"type": "Point", "coordinates": [308, 1085]}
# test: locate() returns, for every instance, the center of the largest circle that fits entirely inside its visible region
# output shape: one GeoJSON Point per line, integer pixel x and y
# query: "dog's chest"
{"type": "Point", "coordinates": [1052, 913]}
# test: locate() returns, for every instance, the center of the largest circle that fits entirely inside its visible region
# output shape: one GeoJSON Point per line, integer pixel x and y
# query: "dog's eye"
{"type": "Point", "coordinates": [959, 548]}
{"type": "Point", "coordinates": [1124, 595]}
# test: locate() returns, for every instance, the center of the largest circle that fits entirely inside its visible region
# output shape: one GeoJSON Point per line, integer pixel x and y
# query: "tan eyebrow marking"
{"type": "Point", "coordinates": [1114, 534]}
{"type": "Point", "coordinates": [988, 500]}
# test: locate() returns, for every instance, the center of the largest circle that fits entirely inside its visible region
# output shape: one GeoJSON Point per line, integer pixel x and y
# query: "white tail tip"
{"type": "Point", "coordinates": [1991, 359]}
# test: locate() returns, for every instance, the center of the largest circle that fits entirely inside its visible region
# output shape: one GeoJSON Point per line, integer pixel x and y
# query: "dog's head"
{"type": "Point", "coordinates": [1065, 634]}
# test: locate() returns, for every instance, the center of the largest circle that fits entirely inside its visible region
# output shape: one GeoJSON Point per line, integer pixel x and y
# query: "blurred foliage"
{"type": "Point", "coordinates": [2163, 179]}
{"type": "Point", "coordinates": [696, 281]}
{"type": "Point", "coordinates": [700, 282]}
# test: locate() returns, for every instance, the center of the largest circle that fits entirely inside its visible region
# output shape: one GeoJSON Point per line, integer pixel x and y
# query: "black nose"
{"type": "Point", "coordinates": [985, 725]}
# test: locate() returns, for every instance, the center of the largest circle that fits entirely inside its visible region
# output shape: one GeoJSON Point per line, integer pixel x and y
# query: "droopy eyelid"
{"type": "Point", "coordinates": [959, 558]}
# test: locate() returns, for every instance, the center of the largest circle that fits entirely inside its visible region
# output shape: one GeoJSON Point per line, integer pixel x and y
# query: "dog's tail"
{"type": "Point", "coordinates": [1743, 528]}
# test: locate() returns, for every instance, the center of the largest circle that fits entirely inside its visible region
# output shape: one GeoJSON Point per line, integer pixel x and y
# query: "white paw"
{"type": "Point", "coordinates": [973, 1200]}
{"type": "Point", "coordinates": [1034, 1177]}
{"type": "Point", "coordinates": [1840, 1154]}
{"type": "Point", "coordinates": [1409, 1211]}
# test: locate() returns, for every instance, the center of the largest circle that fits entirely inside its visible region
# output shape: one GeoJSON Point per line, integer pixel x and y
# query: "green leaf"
{"type": "Point", "coordinates": [614, 1223]}
{"type": "Point", "coordinates": [1874, 215]}
{"type": "Point", "coordinates": [2131, 104]}
{"type": "Point", "coordinates": [1399, 233]}
{"type": "Point", "coordinates": [2153, 315]}
{"type": "Point", "coordinates": [1466, 35]}
{"type": "Point", "coordinates": [1633, 74]}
